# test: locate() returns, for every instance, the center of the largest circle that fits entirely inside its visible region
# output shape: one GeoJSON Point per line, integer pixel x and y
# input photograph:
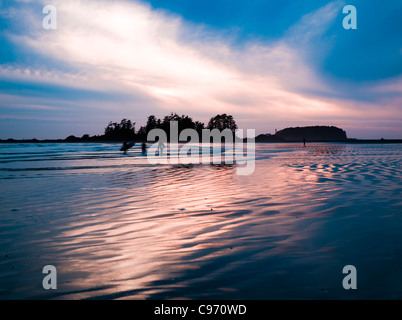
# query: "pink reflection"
{"type": "Point", "coordinates": [141, 241]}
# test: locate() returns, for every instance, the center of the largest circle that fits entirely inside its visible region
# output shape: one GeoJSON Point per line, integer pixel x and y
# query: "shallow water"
{"type": "Point", "coordinates": [116, 227]}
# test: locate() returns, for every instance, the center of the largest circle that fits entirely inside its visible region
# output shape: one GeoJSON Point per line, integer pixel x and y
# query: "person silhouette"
{"type": "Point", "coordinates": [125, 147]}
{"type": "Point", "coordinates": [144, 148]}
{"type": "Point", "coordinates": [161, 146]}
{"type": "Point", "coordinates": [304, 142]}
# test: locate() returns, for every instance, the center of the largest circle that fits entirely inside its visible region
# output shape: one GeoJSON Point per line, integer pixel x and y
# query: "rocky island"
{"type": "Point", "coordinates": [310, 134]}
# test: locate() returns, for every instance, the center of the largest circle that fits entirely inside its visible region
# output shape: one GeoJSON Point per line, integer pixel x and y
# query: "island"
{"type": "Point", "coordinates": [125, 131]}
{"type": "Point", "coordinates": [311, 134]}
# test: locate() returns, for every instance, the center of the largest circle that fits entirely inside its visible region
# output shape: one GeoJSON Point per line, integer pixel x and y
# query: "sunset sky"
{"type": "Point", "coordinates": [271, 64]}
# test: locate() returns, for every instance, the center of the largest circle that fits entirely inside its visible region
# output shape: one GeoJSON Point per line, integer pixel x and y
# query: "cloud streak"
{"type": "Point", "coordinates": [161, 63]}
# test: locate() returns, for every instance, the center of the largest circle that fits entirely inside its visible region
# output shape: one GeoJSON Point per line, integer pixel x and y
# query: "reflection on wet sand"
{"type": "Point", "coordinates": [202, 231]}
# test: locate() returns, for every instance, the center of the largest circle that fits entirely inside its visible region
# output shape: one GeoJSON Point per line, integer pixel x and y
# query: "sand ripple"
{"type": "Point", "coordinates": [118, 228]}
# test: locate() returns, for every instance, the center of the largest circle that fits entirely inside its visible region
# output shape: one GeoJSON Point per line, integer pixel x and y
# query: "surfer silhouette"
{"type": "Point", "coordinates": [144, 148]}
{"type": "Point", "coordinates": [126, 146]}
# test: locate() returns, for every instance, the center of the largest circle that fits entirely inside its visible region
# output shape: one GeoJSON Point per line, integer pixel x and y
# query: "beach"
{"type": "Point", "coordinates": [117, 227]}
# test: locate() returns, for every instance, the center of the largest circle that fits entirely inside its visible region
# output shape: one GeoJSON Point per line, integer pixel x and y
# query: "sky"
{"type": "Point", "coordinates": [270, 64]}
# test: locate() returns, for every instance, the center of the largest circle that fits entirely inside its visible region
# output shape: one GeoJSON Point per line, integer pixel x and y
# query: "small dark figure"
{"type": "Point", "coordinates": [161, 146]}
{"type": "Point", "coordinates": [125, 147]}
{"type": "Point", "coordinates": [144, 148]}
{"type": "Point", "coordinates": [304, 142]}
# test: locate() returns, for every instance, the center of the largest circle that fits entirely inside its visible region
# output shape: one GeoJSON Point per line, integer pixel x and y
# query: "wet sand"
{"type": "Point", "coordinates": [116, 227]}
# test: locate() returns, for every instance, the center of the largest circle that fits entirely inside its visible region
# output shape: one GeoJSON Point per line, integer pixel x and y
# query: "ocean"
{"type": "Point", "coordinates": [116, 227]}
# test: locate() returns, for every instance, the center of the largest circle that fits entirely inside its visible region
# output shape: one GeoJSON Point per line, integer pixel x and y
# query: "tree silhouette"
{"type": "Point", "coordinates": [199, 126]}
{"type": "Point", "coordinates": [152, 123]}
{"type": "Point", "coordinates": [124, 130]}
{"type": "Point", "coordinates": [221, 122]}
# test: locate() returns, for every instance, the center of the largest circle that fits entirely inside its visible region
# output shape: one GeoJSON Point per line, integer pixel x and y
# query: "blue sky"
{"type": "Point", "coordinates": [271, 64]}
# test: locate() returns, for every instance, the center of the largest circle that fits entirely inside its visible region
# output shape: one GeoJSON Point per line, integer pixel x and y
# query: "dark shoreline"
{"type": "Point", "coordinates": [351, 141]}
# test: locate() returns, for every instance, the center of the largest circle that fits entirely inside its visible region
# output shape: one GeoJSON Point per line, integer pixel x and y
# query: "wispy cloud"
{"type": "Point", "coordinates": [167, 64]}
